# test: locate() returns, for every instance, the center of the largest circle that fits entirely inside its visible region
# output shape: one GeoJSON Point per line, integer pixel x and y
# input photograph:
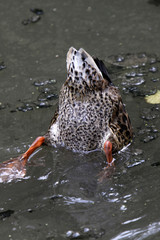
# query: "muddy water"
{"type": "Point", "coordinates": [60, 197]}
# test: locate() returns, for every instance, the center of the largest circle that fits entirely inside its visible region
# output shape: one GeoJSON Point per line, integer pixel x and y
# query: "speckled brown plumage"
{"type": "Point", "coordinates": [90, 108]}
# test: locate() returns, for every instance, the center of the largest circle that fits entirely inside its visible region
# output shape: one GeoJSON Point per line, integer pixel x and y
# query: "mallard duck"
{"type": "Point", "coordinates": [91, 114]}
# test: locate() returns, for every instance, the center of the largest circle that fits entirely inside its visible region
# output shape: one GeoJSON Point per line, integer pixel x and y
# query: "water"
{"type": "Point", "coordinates": [61, 196]}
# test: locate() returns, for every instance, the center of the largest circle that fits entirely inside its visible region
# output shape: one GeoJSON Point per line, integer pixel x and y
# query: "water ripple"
{"type": "Point", "coordinates": [132, 220]}
{"type": "Point", "coordinates": [139, 233]}
{"type": "Point", "coordinates": [74, 200]}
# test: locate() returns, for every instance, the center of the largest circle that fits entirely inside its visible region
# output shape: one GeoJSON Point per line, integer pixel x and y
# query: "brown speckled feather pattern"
{"type": "Point", "coordinates": [90, 108]}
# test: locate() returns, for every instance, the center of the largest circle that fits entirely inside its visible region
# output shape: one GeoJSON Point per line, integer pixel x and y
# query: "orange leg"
{"type": "Point", "coordinates": [108, 152]}
{"type": "Point", "coordinates": [36, 144]}
{"type": "Point", "coordinates": [15, 168]}
{"type": "Point", "coordinates": [107, 171]}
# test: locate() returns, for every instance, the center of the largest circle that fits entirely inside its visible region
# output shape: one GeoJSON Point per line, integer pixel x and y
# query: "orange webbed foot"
{"type": "Point", "coordinates": [16, 167]}
{"type": "Point", "coordinates": [12, 169]}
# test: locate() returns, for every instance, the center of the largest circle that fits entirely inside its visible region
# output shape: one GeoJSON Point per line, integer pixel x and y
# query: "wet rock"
{"type": "Point", "coordinates": [2, 106]}
{"type": "Point", "coordinates": [55, 197]}
{"type": "Point", "coordinates": [148, 134]}
{"type": "Point", "coordinates": [76, 235]}
{"type": "Point", "coordinates": [2, 66]}
{"type": "Point", "coordinates": [86, 230]}
{"type": "Point", "coordinates": [153, 69]}
{"type": "Point", "coordinates": [85, 233]}
{"type": "Point", "coordinates": [149, 113]}
{"type": "Point", "coordinates": [69, 233]}
{"type": "Point", "coordinates": [43, 105]}
{"type": "Point", "coordinates": [120, 59]}
{"type": "Point", "coordinates": [131, 74]}
{"type": "Point", "coordinates": [25, 108]}
{"type": "Point", "coordinates": [37, 11]}
{"type": "Point", "coordinates": [35, 19]}
{"type": "Point", "coordinates": [44, 99]}
{"type": "Point", "coordinates": [147, 129]}
{"type": "Point", "coordinates": [137, 152]}
{"type": "Point", "coordinates": [153, 60]}
{"type": "Point", "coordinates": [13, 110]}
{"type": "Point", "coordinates": [46, 89]}
{"type": "Point", "coordinates": [139, 91]}
{"type": "Point", "coordinates": [47, 96]}
{"type": "Point", "coordinates": [155, 164]}
{"type": "Point", "coordinates": [30, 210]}
{"type": "Point", "coordinates": [26, 21]}
{"type": "Point", "coordinates": [150, 116]}
{"type": "Point", "coordinates": [144, 131]}
{"type": "Point", "coordinates": [52, 96]}
{"type": "Point", "coordinates": [134, 73]}
{"type": "Point", "coordinates": [44, 82]}
{"type": "Point", "coordinates": [132, 60]}
{"type": "Point", "coordinates": [132, 82]}
{"type": "Point", "coordinates": [72, 235]}
{"type": "Point", "coordinates": [149, 138]}
{"type": "Point", "coordinates": [6, 214]}
{"type": "Point", "coordinates": [155, 79]}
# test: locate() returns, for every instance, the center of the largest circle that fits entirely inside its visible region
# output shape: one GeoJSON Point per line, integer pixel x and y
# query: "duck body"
{"type": "Point", "coordinates": [90, 116]}
{"type": "Point", "coordinates": [90, 110]}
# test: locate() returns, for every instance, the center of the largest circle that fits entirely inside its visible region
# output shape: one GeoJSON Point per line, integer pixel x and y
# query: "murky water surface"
{"type": "Point", "coordinates": [61, 197]}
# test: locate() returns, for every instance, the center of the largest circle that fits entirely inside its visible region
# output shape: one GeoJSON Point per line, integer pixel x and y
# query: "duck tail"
{"type": "Point", "coordinates": [84, 72]}
{"type": "Point", "coordinates": [81, 67]}
{"type": "Point", "coordinates": [80, 60]}
{"type": "Point", "coordinates": [100, 64]}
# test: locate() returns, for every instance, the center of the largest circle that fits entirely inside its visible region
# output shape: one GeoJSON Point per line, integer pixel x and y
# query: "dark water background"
{"type": "Point", "coordinates": [61, 198]}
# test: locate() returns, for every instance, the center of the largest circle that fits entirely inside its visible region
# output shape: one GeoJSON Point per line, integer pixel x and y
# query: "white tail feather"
{"type": "Point", "coordinates": [80, 60]}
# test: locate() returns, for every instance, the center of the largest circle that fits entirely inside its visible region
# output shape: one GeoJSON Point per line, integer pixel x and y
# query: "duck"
{"type": "Point", "coordinates": [90, 114]}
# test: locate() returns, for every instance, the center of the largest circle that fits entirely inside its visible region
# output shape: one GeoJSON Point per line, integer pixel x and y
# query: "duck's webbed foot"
{"type": "Point", "coordinates": [16, 167]}
{"type": "Point", "coordinates": [107, 172]}
{"type": "Point", "coordinates": [12, 169]}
